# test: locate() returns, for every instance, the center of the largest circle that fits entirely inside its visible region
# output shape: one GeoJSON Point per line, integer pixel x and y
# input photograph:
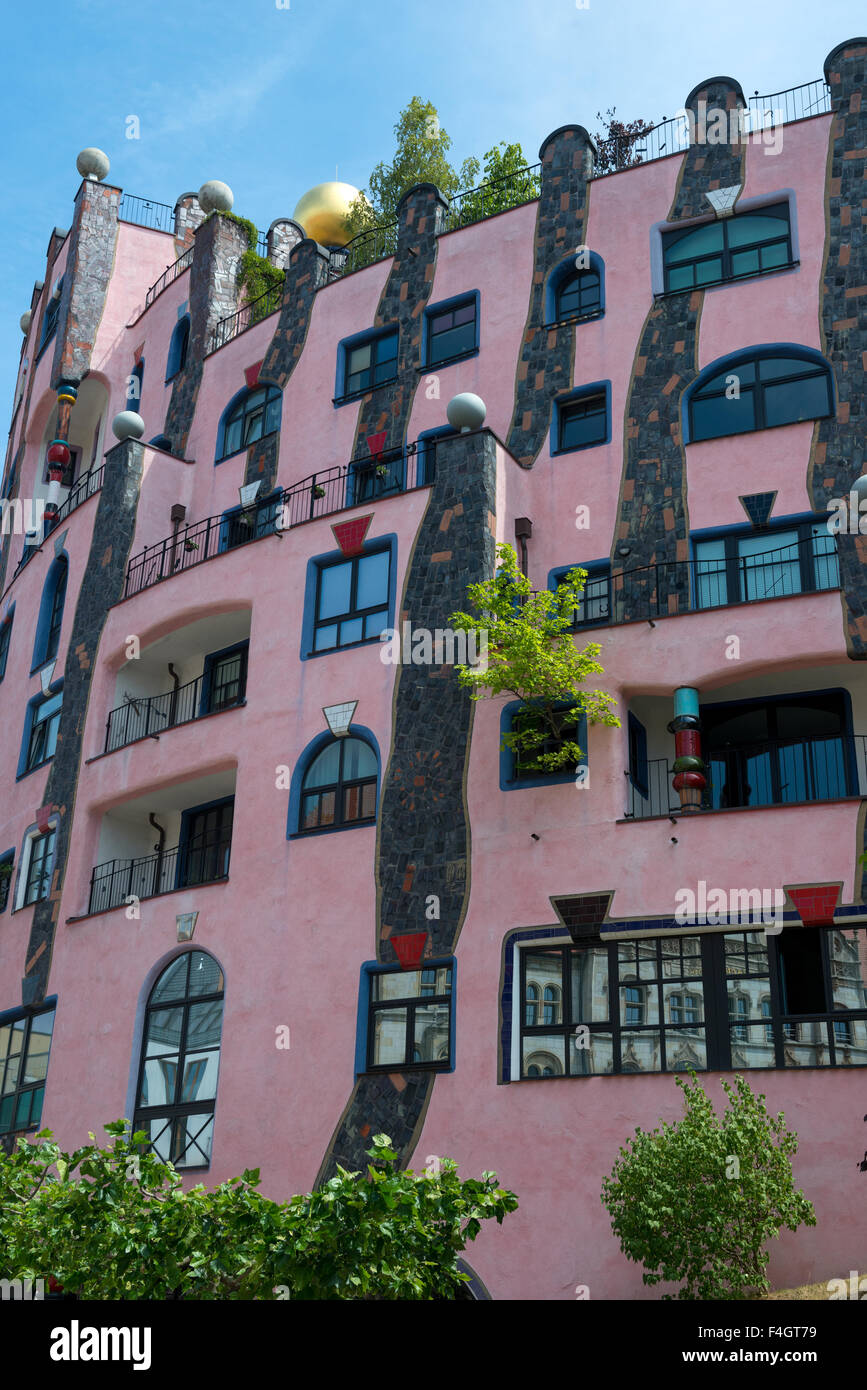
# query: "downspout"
{"type": "Point", "coordinates": [173, 703]}
{"type": "Point", "coordinates": [160, 850]}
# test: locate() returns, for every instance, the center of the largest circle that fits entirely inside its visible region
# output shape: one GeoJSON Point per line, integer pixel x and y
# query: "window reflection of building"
{"type": "Point", "coordinates": [410, 1017]}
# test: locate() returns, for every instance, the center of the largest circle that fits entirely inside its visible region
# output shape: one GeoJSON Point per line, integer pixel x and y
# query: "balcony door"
{"type": "Point", "coordinates": [206, 841]}
{"type": "Point", "coordinates": [770, 752]}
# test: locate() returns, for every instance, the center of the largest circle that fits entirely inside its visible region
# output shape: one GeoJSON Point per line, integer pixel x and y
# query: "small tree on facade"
{"type": "Point", "coordinates": [531, 654]}
{"type": "Point", "coordinates": [696, 1201]}
{"type": "Point", "coordinates": [616, 142]}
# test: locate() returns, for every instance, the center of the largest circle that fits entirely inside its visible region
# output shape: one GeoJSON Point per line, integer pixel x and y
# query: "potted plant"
{"type": "Point", "coordinates": [318, 491]}
{"type": "Point", "coordinates": [191, 545]}
{"type": "Point", "coordinates": [381, 470]}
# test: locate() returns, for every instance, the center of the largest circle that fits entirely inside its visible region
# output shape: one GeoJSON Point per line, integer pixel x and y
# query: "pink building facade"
{"type": "Point", "coordinates": [265, 940]}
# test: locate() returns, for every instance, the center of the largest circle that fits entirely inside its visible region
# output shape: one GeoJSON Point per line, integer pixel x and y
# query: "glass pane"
{"type": "Point", "coordinates": [359, 759]}
{"type": "Point", "coordinates": [396, 984]}
{"type": "Point", "coordinates": [745, 263]}
{"type": "Point", "coordinates": [706, 272]}
{"type": "Point", "coordinates": [640, 1050]}
{"type": "Point", "coordinates": [164, 1031]}
{"type": "Point", "coordinates": [453, 343]}
{"type": "Point", "coordinates": [591, 1054]}
{"type": "Point", "coordinates": [253, 427]}
{"type": "Point", "coordinates": [389, 1037]}
{"type": "Point", "coordinates": [206, 977]}
{"type": "Point", "coordinates": [48, 707]}
{"type": "Point", "coordinates": [352, 631]}
{"type": "Point", "coordinates": [807, 1045]}
{"type": "Point", "coordinates": [373, 579]}
{"type": "Point", "coordinates": [682, 1005]}
{"type": "Point", "coordinates": [588, 973]}
{"type": "Point", "coordinates": [746, 1001]}
{"type": "Point", "coordinates": [848, 954]}
{"type": "Point", "coordinates": [11, 1079]}
{"type": "Point", "coordinates": [5, 1035]}
{"type": "Point", "coordinates": [22, 1110]}
{"type": "Point", "coordinates": [431, 1031]}
{"type": "Point", "coordinates": [204, 1024]}
{"type": "Point", "coordinates": [386, 350]}
{"type": "Point", "coordinates": [685, 1049]}
{"type": "Point", "coordinates": [326, 637]}
{"type": "Point", "coordinates": [159, 1081]}
{"type": "Point", "coordinates": [273, 414]}
{"type": "Point", "coordinates": [368, 800]}
{"type": "Point", "coordinates": [199, 1081]}
{"type": "Point", "coordinates": [172, 984]}
{"type": "Point", "coordinates": [466, 314]}
{"type": "Point", "coordinates": [192, 1141]}
{"type": "Point", "coordinates": [638, 1003]}
{"type": "Point", "coordinates": [850, 1043]}
{"type": "Point", "coordinates": [710, 574]}
{"type": "Point", "coordinates": [37, 1052]}
{"type": "Point", "coordinates": [375, 623]}
{"type": "Point", "coordinates": [583, 424]}
{"type": "Point", "coordinates": [353, 803]}
{"type": "Point", "coordinates": [788, 402]}
{"type": "Point", "coordinates": [334, 590]}
{"type": "Point", "coordinates": [543, 1055]}
{"type": "Point", "coordinates": [680, 278]}
{"type": "Point", "coordinates": [718, 416]}
{"type": "Point", "coordinates": [769, 565]}
{"type": "Point", "coordinates": [324, 770]}
{"type": "Point", "coordinates": [698, 243]}
{"type": "Point", "coordinates": [359, 358]}
{"type": "Point", "coordinates": [232, 439]}
{"type": "Point", "coordinates": [775, 255]}
{"type": "Point", "coordinates": [750, 228]}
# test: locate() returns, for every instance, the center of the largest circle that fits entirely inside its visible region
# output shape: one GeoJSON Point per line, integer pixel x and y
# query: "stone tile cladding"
{"type": "Point", "coordinates": [652, 511]}
{"type": "Point", "coordinates": [423, 840]}
{"type": "Point", "coordinates": [85, 282]}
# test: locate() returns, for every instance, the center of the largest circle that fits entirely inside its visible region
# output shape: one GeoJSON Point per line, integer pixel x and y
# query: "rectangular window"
{"type": "Point", "coordinates": [49, 318]}
{"type": "Point", "coordinates": [594, 605]}
{"type": "Point", "coordinates": [39, 867]}
{"type": "Point", "coordinates": [206, 843]}
{"type": "Point", "coordinates": [225, 679]}
{"type": "Point", "coordinates": [243, 524]}
{"type": "Point", "coordinates": [25, 1043]}
{"type": "Point", "coordinates": [371, 363]}
{"type": "Point", "coordinates": [749, 243]}
{"type": "Point", "coordinates": [526, 761]}
{"type": "Point", "coordinates": [637, 735]}
{"type": "Point", "coordinates": [451, 332]}
{"type": "Point", "coordinates": [7, 862]}
{"type": "Point", "coordinates": [650, 1005]}
{"type": "Point", "coordinates": [43, 731]}
{"type": "Point", "coordinates": [765, 564]}
{"type": "Point", "coordinates": [409, 1020]}
{"type": "Point", "coordinates": [376, 477]}
{"type": "Point", "coordinates": [583, 422]}
{"type": "Point", "coordinates": [5, 635]}
{"type": "Point", "coordinates": [352, 601]}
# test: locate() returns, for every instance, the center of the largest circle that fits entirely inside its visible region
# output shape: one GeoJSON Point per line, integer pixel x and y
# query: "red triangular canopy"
{"type": "Point", "coordinates": [251, 374]}
{"type": "Point", "coordinates": [350, 534]}
{"type": "Point", "coordinates": [409, 948]}
{"type": "Point", "coordinates": [816, 903]}
{"type": "Point", "coordinates": [376, 442]}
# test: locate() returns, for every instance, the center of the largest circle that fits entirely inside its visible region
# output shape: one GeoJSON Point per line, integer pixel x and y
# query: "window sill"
{"type": "Point", "coordinates": [574, 319]}
{"type": "Point", "coordinates": [332, 830]}
{"type": "Point", "coordinates": [360, 395]}
{"type": "Point", "coordinates": [244, 447]}
{"type": "Point", "coordinates": [730, 280]}
{"type": "Point", "coordinates": [400, 1069]}
{"type": "Point", "coordinates": [581, 448]}
{"type": "Point", "coordinates": [350, 646]}
{"type": "Point", "coordinates": [427, 367]}
{"type": "Point", "coordinates": [30, 770]}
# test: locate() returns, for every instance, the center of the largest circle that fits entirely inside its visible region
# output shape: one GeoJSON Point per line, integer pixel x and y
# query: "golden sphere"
{"type": "Point", "coordinates": [322, 211]}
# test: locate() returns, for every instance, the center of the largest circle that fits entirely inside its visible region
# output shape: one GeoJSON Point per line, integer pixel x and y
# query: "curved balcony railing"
{"type": "Point", "coordinates": [245, 317]}
{"type": "Point", "coordinates": [169, 275]}
{"type": "Point", "coordinates": [146, 716]}
{"type": "Point", "coordinates": [203, 859]}
{"type": "Point", "coordinates": [84, 489]}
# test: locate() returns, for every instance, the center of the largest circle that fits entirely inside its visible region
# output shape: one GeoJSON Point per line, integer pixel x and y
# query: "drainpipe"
{"type": "Point", "coordinates": [173, 703]}
{"type": "Point", "coordinates": [523, 533]}
{"type": "Point", "coordinates": [177, 514]}
{"type": "Point", "coordinates": [160, 849]}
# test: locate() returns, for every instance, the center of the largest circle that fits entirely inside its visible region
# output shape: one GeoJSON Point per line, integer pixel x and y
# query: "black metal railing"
{"type": "Point", "coordinates": [364, 249]}
{"type": "Point", "coordinates": [146, 213]}
{"type": "Point", "coordinates": [363, 479]}
{"type": "Point", "coordinates": [85, 488]}
{"type": "Point", "coordinates": [248, 314]}
{"type": "Point", "coordinates": [170, 274]}
{"type": "Point", "coordinates": [774, 772]}
{"type": "Point", "coordinates": [141, 716]}
{"type": "Point", "coordinates": [794, 103]}
{"type": "Point", "coordinates": [510, 191]}
{"type": "Point", "coordinates": [202, 859]}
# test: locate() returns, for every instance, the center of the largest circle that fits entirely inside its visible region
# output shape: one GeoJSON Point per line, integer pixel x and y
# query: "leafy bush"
{"type": "Point", "coordinates": [115, 1223]}
{"type": "Point", "coordinates": [697, 1200]}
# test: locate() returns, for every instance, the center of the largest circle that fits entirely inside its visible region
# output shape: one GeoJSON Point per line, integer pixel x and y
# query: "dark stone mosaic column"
{"type": "Point", "coordinates": [89, 267]}
{"type": "Point", "coordinates": [547, 361]}
{"type": "Point", "coordinates": [421, 217]}
{"type": "Point", "coordinates": [838, 453]}
{"type": "Point", "coordinates": [652, 515]}
{"type": "Point", "coordinates": [423, 840]}
{"type": "Point", "coordinates": [101, 586]}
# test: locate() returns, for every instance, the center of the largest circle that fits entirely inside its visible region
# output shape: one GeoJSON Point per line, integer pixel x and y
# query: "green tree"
{"type": "Point", "coordinates": [507, 184]}
{"type": "Point", "coordinates": [696, 1201]}
{"type": "Point", "coordinates": [531, 654]}
{"type": "Point", "coordinates": [115, 1223]}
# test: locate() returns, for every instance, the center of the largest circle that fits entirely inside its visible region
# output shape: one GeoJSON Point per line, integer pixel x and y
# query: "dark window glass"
{"type": "Point", "coordinates": [410, 1019]}
{"type": "Point", "coordinates": [765, 564]}
{"type": "Point", "coordinates": [6, 870]}
{"type": "Point", "coordinates": [254, 416]}
{"type": "Point", "coordinates": [207, 844]}
{"type": "Point", "coordinates": [55, 617]}
{"type": "Point", "coordinates": [371, 363]}
{"type": "Point", "coordinates": [352, 601]}
{"type": "Point", "coordinates": [25, 1043]}
{"type": "Point", "coordinates": [180, 1060]}
{"type": "Point", "coordinates": [227, 679]}
{"type": "Point", "coordinates": [758, 394]}
{"type": "Point", "coordinates": [244, 524]}
{"type": "Point", "coordinates": [49, 318]}
{"type": "Point", "coordinates": [580, 295]}
{"type": "Point", "coordinates": [45, 722]}
{"type": "Point", "coordinates": [134, 387]}
{"type": "Point", "coordinates": [594, 605]}
{"type": "Point", "coordinates": [583, 422]}
{"type": "Point", "coordinates": [5, 635]}
{"type": "Point", "coordinates": [178, 348]}
{"type": "Point", "coordinates": [750, 243]}
{"type": "Point", "coordinates": [451, 333]}
{"type": "Point", "coordinates": [526, 761]}
{"type": "Point", "coordinates": [339, 786]}
{"type": "Point", "coordinates": [376, 477]}
{"type": "Point", "coordinates": [39, 868]}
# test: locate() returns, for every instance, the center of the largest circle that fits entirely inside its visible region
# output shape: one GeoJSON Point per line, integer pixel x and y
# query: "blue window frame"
{"type": "Point", "coordinates": [242, 524]}
{"type": "Point", "coordinates": [594, 606]}
{"type": "Point", "coordinates": [25, 1044]}
{"type": "Point", "coordinates": [161, 441]}
{"type": "Point", "coordinates": [582, 419]}
{"type": "Point", "coordinates": [637, 739]}
{"type": "Point", "coordinates": [224, 680]}
{"type": "Point", "coordinates": [134, 385]}
{"type": "Point", "coordinates": [517, 773]}
{"type": "Point", "coordinates": [352, 601]}
{"type": "Point", "coordinates": [364, 361]}
{"type": "Point", "coordinates": [178, 345]}
{"type": "Point", "coordinates": [50, 619]}
{"type": "Point", "coordinates": [40, 863]}
{"type": "Point", "coordinates": [339, 786]}
{"type": "Point", "coordinates": [728, 248]}
{"type": "Point", "coordinates": [426, 453]}
{"type": "Point", "coordinates": [406, 1018]}
{"type": "Point", "coordinates": [7, 865]}
{"type": "Point", "coordinates": [250, 416]}
{"type": "Point", "coordinates": [798, 556]}
{"type": "Point", "coordinates": [205, 843]}
{"type": "Point", "coordinates": [572, 294]}
{"type": "Point", "coordinates": [49, 318]}
{"type": "Point", "coordinates": [758, 389]}
{"type": "Point", "coordinates": [5, 638]}
{"type": "Point", "coordinates": [42, 724]}
{"type": "Point", "coordinates": [451, 330]}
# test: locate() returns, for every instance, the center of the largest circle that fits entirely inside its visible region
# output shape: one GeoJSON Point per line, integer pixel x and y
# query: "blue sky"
{"type": "Point", "coordinates": [272, 100]}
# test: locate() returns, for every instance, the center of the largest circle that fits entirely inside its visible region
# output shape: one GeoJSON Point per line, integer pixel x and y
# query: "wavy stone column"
{"type": "Point", "coordinates": [547, 360]}
{"type": "Point", "coordinates": [423, 839]}
{"type": "Point", "coordinates": [421, 217]}
{"type": "Point", "coordinates": [89, 267]}
{"type": "Point", "coordinates": [838, 454]}
{"type": "Point", "coordinates": [101, 586]}
{"type": "Point", "coordinates": [652, 510]}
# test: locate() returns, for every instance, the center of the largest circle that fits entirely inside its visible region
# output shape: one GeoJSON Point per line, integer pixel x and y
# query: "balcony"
{"type": "Point", "coordinates": [204, 859]}
{"type": "Point", "coordinates": [156, 714]}
{"type": "Point", "coordinates": [363, 479]}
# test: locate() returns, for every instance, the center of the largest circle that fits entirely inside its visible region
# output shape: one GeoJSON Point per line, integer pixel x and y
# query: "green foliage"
{"type": "Point", "coordinates": [256, 274]}
{"type": "Point", "coordinates": [115, 1223]}
{"type": "Point", "coordinates": [531, 654]}
{"type": "Point", "coordinates": [695, 1201]}
{"type": "Point", "coordinates": [507, 184]}
{"type": "Point", "coordinates": [615, 143]}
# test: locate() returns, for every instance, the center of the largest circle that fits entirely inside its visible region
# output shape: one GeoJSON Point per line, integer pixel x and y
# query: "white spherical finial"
{"type": "Point", "coordinates": [128, 425]}
{"type": "Point", "coordinates": [859, 487]}
{"type": "Point", "coordinates": [215, 196]}
{"type": "Point", "coordinates": [466, 412]}
{"type": "Point", "coordinates": [25, 322]}
{"type": "Point", "coordinates": [92, 164]}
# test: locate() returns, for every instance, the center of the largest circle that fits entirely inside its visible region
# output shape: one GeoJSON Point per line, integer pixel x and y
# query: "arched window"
{"type": "Point", "coordinates": [180, 341]}
{"type": "Point", "coordinates": [756, 390]}
{"type": "Point", "coordinates": [750, 243]}
{"type": "Point", "coordinates": [180, 1058]}
{"type": "Point", "coordinates": [531, 1006]}
{"type": "Point", "coordinates": [50, 618]}
{"type": "Point", "coordinates": [161, 441]}
{"type": "Point", "coordinates": [339, 786]}
{"type": "Point", "coordinates": [551, 1004]}
{"type": "Point", "coordinates": [544, 1064]}
{"type": "Point", "coordinates": [579, 296]}
{"type": "Point", "coordinates": [249, 417]}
